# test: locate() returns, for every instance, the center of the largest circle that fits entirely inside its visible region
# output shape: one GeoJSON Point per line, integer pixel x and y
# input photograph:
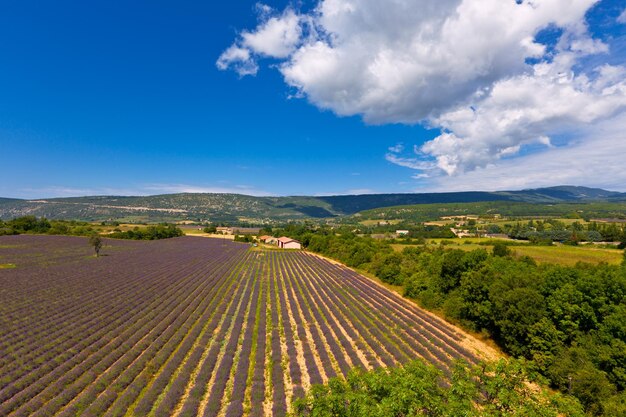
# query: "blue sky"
{"type": "Point", "coordinates": [126, 98]}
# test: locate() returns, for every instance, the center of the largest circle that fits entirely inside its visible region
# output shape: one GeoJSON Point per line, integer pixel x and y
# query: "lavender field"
{"type": "Point", "coordinates": [192, 326]}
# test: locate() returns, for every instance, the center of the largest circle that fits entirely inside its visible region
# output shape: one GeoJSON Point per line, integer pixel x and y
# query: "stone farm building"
{"type": "Point", "coordinates": [270, 240]}
{"type": "Point", "coordinates": [288, 243]}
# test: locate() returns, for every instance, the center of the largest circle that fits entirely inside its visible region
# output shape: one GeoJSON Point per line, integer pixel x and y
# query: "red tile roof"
{"type": "Point", "coordinates": [285, 239]}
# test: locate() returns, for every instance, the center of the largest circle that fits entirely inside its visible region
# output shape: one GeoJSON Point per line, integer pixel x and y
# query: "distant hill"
{"type": "Point", "coordinates": [564, 193]}
{"type": "Point", "coordinates": [350, 204]}
{"type": "Point", "coordinates": [517, 209]}
{"type": "Point", "coordinates": [237, 207]}
{"type": "Point", "coordinates": [8, 200]}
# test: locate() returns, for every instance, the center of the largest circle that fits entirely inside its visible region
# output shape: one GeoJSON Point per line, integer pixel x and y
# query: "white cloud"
{"type": "Point", "coordinates": [622, 17]}
{"type": "Point", "coordinates": [358, 191]}
{"type": "Point", "coordinates": [354, 191]}
{"type": "Point", "coordinates": [59, 191]}
{"type": "Point", "coordinates": [594, 159]}
{"type": "Point", "coordinates": [186, 188]}
{"type": "Point", "coordinates": [398, 62]}
{"type": "Point", "coordinates": [275, 36]}
{"type": "Point", "coordinates": [139, 190]}
{"type": "Point", "coordinates": [471, 68]}
{"type": "Point", "coordinates": [238, 59]}
{"type": "Point", "coordinates": [396, 148]}
{"type": "Point", "coordinates": [524, 110]}
{"type": "Point", "coordinates": [413, 163]}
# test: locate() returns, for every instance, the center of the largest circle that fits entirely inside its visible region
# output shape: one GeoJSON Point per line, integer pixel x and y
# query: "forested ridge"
{"type": "Point", "coordinates": [569, 323]}
{"type": "Point", "coordinates": [219, 207]}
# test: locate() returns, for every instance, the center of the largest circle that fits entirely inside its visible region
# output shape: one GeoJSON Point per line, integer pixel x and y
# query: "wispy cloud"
{"type": "Point", "coordinates": [354, 191]}
{"type": "Point", "coordinates": [361, 191]}
{"type": "Point", "coordinates": [413, 163]}
{"type": "Point", "coordinates": [68, 191]}
{"type": "Point", "coordinates": [139, 190]}
{"type": "Point", "coordinates": [187, 188]}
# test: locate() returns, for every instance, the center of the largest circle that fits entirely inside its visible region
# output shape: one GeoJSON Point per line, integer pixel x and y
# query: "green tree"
{"type": "Point", "coordinates": [452, 267]}
{"type": "Point", "coordinates": [501, 249]}
{"type": "Point", "coordinates": [96, 242]}
{"type": "Point", "coordinates": [495, 389]}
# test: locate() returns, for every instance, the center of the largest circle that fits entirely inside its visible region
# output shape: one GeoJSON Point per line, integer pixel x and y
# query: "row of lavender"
{"type": "Point", "coordinates": [352, 322]}
{"type": "Point", "coordinates": [193, 326]}
{"type": "Point", "coordinates": [83, 336]}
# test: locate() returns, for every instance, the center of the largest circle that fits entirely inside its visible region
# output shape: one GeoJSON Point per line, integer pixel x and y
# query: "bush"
{"type": "Point", "coordinates": [494, 389]}
{"type": "Point", "coordinates": [501, 249]}
{"type": "Point", "coordinates": [161, 231]}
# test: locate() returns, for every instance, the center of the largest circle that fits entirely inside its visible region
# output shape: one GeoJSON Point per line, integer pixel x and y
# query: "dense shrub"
{"type": "Point", "coordinates": [497, 389]}
{"type": "Point", "coordinates": [160, 231]}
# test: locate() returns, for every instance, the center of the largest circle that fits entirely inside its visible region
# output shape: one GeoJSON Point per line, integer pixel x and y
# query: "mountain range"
{"type": "Point", "coordinates": [245, 208]}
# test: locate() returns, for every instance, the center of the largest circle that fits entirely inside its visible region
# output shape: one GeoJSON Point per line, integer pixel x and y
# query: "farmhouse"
{"type": "Point", "coordinates": [288, 243]}
{"type": "Point", "coordinates": [461, 232]}
{"type": "Point", "coordinates": [270, 240]}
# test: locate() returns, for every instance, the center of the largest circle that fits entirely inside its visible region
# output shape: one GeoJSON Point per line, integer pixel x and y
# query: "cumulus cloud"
{"type": "Point", "coordinates": [523, 110]}
{"type": "Point", "coordinates": [400, 62]}
{"type": "Point", "coordinates": [275, 37]}
{"type": "Point", "coordinates": [239, 59]}
{"type": "Point", "coordinates": [473, 69]}
{"type": "Point", "coordinates": [622, 17]}
{"type": "Point", "coordinates": [595, 158]}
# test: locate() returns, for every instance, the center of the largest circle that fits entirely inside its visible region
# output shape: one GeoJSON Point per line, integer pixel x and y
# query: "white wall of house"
{"type": "Point", "coordinates": [291, 245]}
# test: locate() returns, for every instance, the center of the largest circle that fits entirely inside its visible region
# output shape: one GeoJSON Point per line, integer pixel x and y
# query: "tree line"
{"type": "Point", "coordinates": [495, 389]}
{"type": "Point", "coordinates": [33, 224]}
{"type": "Point", "coordinates": [41, 225]}
{"type": "Point", "coordinates": [555, 230]}
{"type": "Point", "coordinates": [153, 232]}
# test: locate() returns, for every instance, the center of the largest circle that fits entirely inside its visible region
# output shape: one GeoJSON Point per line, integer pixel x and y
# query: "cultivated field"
{"type": "Point", "coordinates": [192, 326]}
{"type": "Point", "coordinates": [557, 254]}
{"type": "Point", "coordinates": [570, 255]}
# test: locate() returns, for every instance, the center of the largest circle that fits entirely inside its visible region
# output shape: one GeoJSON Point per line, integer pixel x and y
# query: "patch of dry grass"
{"type": "Point", "coordinates": [569, 255]}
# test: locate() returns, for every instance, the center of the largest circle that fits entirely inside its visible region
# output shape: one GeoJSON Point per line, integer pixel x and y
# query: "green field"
{"type": "Point", "coordinates": [569, 255]}
{"type": "Point", "coordinates": [558, 254]}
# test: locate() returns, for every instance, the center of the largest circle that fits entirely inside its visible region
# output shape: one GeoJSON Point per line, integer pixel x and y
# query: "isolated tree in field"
{"type": "Point", "coordinates": [500, 249]}
{"type": "Point", "coordinates": [96, 242]}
